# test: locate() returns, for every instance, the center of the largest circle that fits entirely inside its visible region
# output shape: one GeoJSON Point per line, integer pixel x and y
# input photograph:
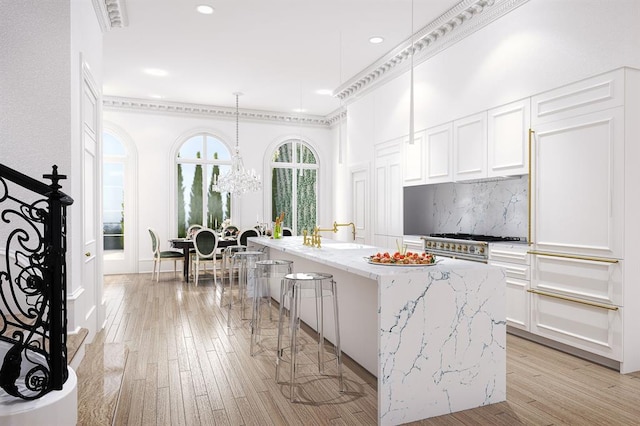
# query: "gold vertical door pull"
{"type": "Point", "coordinates": [531, 132]}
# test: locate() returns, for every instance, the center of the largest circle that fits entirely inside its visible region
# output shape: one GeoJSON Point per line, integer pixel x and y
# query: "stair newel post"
{"type": "Point", "coordinates": [55, 240]}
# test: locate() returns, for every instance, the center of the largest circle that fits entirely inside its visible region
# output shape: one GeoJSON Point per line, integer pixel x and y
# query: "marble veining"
{"type": "Point", "coordinates": [442, 331]}
{"type": "Point", "coordinates": [493, 207]}
{"type": "Point", "coordinates": [443, 336]}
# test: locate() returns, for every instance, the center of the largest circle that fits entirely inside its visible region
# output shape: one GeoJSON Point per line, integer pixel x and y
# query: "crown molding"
{"type": "Point", "coordinates": [460, 21]}
{"type": "Point", "coordinates": [111, 14]}
{"type": "Point", "coordinates": [180, 108]}
{"type": "Point", "coordinates": [336, 116]}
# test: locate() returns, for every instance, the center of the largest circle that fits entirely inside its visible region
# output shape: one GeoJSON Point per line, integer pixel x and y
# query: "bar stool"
{"type": "Point", "coordinates": [267, 272]}
{"type": "Point", "coordinates": [245, 262]}
{"type": "Point", "coordinates": [227, 267]}
{"type": "Point", "coordinates": [307, 284]}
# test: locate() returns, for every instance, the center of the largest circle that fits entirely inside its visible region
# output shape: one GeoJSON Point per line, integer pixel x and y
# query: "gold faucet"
{"type": "Point", "coordinates": [351, 224]}
{"type": "Point", "coordinates": [314, 239]}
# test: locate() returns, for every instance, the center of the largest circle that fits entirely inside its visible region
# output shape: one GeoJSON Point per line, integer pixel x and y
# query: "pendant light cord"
{"type": "Point", "coordinates": [411, 113]}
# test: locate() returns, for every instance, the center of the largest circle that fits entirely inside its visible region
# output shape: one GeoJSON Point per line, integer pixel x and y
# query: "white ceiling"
{"type": "Point", "coordinates": [277, 52]}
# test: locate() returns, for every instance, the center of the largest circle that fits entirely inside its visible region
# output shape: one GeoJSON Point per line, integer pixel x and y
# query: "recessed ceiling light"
{"type": "Point", "coordinates": [376, 40]}
{"type": "Point", "coordinates": [324, 92]}
{"type": "Point", "coordinates": [155, 72]}
{"type": "Point", "coordinates": [299, 110]}
{"type": "Point", "coordinates": [205, 9]}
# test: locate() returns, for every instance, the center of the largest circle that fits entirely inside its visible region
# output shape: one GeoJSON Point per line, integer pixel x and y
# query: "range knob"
{"type": "Point", "coordinates": [481, 250]}
{"type": "Point", "coordinates": [447, 246]}
{"type": "Point", "coordinates": [459, 247]}
{"type": "Point", "coordinates": [465, 248]}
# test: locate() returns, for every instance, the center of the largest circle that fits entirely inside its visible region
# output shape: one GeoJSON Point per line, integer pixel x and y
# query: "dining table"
{"type": "Point", "coordinates": [186, 244]}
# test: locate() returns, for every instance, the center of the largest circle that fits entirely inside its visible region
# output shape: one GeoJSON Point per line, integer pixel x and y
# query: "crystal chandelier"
{"type": "Point", "coordinates": [237, 180]}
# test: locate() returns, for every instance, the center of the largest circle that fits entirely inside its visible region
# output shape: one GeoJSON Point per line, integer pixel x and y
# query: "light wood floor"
{"type": "Point", "coordinates": [166, 357]}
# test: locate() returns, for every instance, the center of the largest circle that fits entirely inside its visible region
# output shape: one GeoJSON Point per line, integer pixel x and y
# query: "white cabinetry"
{"type": "Point", "coordinates": [413, 243]}
{"type": "Point", "coordinates": [414, 170]}
{"type": "Point", "coordinates": [580, 293]}
{"type": "Point", "coordinates": [488, 144]}
{"type": "Point", "coordinates": [514, 260]}
{"type": "Point", "coordinates": [508, 128]}
{"type": "Point", "coordinates": [470, 147]}
{"type": "Point", "coordinates": [439, 154]}
{"type": "Point", "coordinates": [387, 223]}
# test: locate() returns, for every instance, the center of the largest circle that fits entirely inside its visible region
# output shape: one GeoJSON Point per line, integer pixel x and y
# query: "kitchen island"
{"type": "Point", "coordinates": [434, 336]}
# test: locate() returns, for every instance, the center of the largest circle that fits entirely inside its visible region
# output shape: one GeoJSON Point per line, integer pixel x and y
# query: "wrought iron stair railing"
{"type": "Point", "coordinates": [33, 284]}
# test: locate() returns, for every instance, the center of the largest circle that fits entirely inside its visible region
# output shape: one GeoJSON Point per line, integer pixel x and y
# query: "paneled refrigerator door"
{"type": "Point", "coordinates": [577, 197]}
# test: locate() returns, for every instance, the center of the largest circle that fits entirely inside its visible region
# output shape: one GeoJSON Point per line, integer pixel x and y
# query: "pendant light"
{"type": "Point", "coordinates": [237, 180]}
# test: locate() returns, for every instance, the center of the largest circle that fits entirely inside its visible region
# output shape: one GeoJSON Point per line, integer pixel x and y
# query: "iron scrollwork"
{"type": "Point", "coordinates": [32, 285]}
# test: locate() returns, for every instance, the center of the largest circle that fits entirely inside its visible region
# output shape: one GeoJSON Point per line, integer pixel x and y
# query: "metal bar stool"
{"type": "Point", "coordinates": [245, 262]}
{"type": "Point", "coordinates": [268, 272]}
{"type": "Point", "coordinates": [307, 284]}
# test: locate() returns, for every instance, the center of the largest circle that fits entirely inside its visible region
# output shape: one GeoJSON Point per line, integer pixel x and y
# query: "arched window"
{"type": "Point", "coordinates": [199, 159]}
{"type": "Point", "coordinates": [294, 185]}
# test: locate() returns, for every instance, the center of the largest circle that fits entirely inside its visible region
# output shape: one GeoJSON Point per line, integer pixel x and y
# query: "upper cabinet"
{"type": "Point", "coordinates": [429, 159]}
{"type": "Point", "coordinates": [439, 153]}
{"type": "Point", "coordinates": [413, 169]}
{"type": "Point", "coordinates": [508, 133]}
{"type": "Point", "coordinates": [470, 147]}
{"type": "Point", "coordinates": [592, 94]}
{"type": "Point", "coordinates": [488, 144]}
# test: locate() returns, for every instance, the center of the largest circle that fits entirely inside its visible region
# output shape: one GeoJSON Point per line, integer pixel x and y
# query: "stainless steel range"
{"type": "Point", "coordinates": [462, 246]}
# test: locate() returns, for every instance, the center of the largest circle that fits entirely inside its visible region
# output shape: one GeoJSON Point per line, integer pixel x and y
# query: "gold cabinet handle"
{"type": "Point", "coordinates": [531, 132]}
{"type": "Point", "coordinates": [573, 299]}
{"type": "Point", "coordinates": [573, 256]}
{"type": "Point", "coordinates": [88, 254]}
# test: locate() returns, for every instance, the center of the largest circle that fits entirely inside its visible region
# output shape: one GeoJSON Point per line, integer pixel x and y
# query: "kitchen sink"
{"type": "Point", "coordinates": [346, 246]}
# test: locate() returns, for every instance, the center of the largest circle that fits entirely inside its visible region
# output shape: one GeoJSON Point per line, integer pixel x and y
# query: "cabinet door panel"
{"type": "Point", "coordinates": [592, 280]}
{"type": "Point", "coordinates": [439, 150]}
{"type": "Point", "coordinates": [380, 191]}
{"type": "Point", "coordinates": [394, 198]}
{"type": "Point", "coordinates": [595, 93]}
{"type": "Point", "coordinates": [470, 147]}
{"type": "Point", "coordinates": [578, 195]}
{"type": "Point", "coordinates": [518, 303]}
{"type": "Point", "coordinates": [508, 137]}
{"type": "Point", "coordinates": [592, 329]}
{"type": "Point", "coordinates": [388, 192]}
{"type": "Point", "coordinates": [414, 164]}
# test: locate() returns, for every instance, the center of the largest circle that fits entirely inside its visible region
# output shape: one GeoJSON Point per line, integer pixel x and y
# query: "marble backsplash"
{"type": "Point", "coordinates": [490, 207]}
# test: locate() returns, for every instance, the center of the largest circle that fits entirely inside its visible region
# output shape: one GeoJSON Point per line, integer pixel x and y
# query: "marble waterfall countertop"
{"type": "Point", "coordinates": [350, 257]}
{"type": "Point", "coordinates": [441, 329]}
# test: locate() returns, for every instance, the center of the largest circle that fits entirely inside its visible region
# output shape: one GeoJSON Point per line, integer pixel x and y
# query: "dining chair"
{"type": "Point", "coordinates": [230, 231]}
{"type": "Point", "coordinates": [205, 243]}
{"type": "Point", "coordinates": [242, 237]}
{"type": "Point", "coordinates": [159, 255]}
{"type": "Point", "coordinates": [191, 231]}
{"type": "Point", "coordinates": [286, 232]}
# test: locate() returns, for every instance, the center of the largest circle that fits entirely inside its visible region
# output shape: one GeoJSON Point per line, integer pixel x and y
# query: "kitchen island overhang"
{"type": "Point", "coordinates": [439, 331]}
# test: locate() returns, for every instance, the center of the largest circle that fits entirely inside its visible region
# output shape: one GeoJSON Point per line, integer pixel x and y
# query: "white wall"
{"type": "Point", "coordinates": [157, 137]}
{"type": "Point", "coordinates": [40, 47]}
{"type": "Point", "coordinates": [35, 110]}
{"type": "Point", "coordinates": [539, 46]}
